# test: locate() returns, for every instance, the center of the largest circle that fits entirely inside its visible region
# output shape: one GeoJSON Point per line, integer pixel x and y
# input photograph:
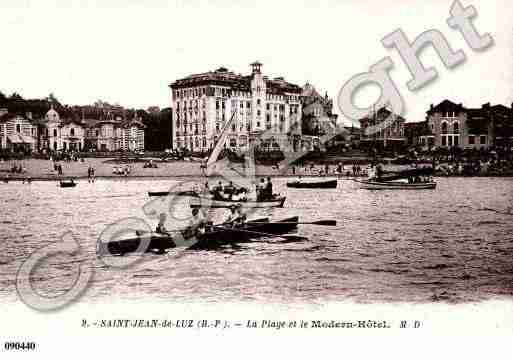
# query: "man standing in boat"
{"type": "Point", "coordinates": [197, 223]}
{"type": "Point", "coordinates": [268, 193]}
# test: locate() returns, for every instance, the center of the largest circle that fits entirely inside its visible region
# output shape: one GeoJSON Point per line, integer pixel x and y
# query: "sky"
{"type": "Point", "coordinates": [128, 52]}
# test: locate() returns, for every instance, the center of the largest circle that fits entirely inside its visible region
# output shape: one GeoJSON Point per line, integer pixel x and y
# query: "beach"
{"type": "Point", "coordinates": [42, 170]}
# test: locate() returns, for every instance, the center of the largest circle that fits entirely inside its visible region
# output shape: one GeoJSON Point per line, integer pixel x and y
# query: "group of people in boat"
{"type": "Point", "coordinates": [227, 192]}
{"type": "Point", "coordinates": [198, 224]}
{"type": "Point", "coordinates": [264, 190]}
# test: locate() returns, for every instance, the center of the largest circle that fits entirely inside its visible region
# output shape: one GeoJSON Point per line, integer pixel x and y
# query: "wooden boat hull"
{"type": "Point", "coordinates": [214, 203]}
{"type": "Point", "coordinates": [317, 184]}
{"type": "Point", "coordinates": [372, 185]}
{"type": "Point", "coordinates": [213, 239]}
{"type": "Point", "coordinates": [166, 193]}
{"type": "Point", "coordinates": [252, 230]}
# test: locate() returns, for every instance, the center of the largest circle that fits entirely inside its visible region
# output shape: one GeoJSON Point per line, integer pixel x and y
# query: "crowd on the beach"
{"type": "Point", "coordinates": [339, 169]}
{"type": "Point", "coordinates": [476, 168]}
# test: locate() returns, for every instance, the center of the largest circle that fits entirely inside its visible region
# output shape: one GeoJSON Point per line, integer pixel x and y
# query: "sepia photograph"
{"type": "Point", "coordinates": [323, 177]}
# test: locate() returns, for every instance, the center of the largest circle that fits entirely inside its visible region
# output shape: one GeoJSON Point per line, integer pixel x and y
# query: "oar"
{"type": "Point", "coordinates": [285, 236]}
{"type": "Point", "coordinates": [324, 222]}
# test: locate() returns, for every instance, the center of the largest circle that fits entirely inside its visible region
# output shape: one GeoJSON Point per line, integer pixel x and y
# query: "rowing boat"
{"type": "Point", "coordinates": [67, 184]}
{"type": "Point", "coordinates": [313, 184]}
{"type": "Point", "coordinates": [213, 238]}
{"type": "Point", "coordinates": [221, 236]}
{"type": "Point", "coordinates": [167, 193]}
{"type": "Point", "coordinates": [374, 185]}
{"type": "Point", "coordinates": [216, 203]}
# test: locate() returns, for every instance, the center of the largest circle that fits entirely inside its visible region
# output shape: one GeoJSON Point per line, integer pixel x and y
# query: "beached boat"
{"type": "Point", "coordinates": [374, 185]}
{"type": "Point", "coordinates": [67, 184]}
{"type": "Point", "coordinates": [312, 184]}
{"type": "Point", "coordinates": [200, 201]}
{"type": "Point", "coordinates": [215, 237]}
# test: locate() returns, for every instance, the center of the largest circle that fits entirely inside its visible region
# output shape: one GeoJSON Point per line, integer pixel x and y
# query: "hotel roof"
{"type": "Point", "coordinates": [237, 82]}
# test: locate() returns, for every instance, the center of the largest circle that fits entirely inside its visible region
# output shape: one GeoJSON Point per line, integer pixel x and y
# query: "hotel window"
{"type": "Point", "coordinates": [242, 104]}
{"type": "Point", "coordinates": [268, 117]}
{"type": "Point", "coordinates": [258, 112]}
{"type": "Point", "coordinates": [258, 101]}
{"type": "Point", "coordinates": [482, 140]}
{"type": "Point", "coordinates": [444, 141]}
{"type": "Point", "coordinates": [248, 104]}
{"type": "Point", "coordinates": [258, 124]}
{"type": "Point", "coordinates": [233, 142]}
{"type": "Point", "coordinates": [456, 127]}
{"type": "Point", "coordinates": [55, 133]}
{"type": "Point", "coordinates": [18, 129]}
{"type": "Point", "coordinates": [72, 132]}
{"type": "Point", "coordinates": [471, 140]}
{"type": "Point", "coordinates": [267, 107]}
{"type": "Point", "coordinates": [204, 142]}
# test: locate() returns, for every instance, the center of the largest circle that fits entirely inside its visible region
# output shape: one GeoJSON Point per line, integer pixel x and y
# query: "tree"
{"type": "Point", "coordinates": [52, 99]}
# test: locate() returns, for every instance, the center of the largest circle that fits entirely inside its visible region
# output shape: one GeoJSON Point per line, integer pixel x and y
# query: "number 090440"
{"type": "Point", "coordinates": [19, 346]}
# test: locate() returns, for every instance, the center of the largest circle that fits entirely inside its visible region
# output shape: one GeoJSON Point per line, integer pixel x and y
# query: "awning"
{"type": "Point", "coordinates": [19, 139]}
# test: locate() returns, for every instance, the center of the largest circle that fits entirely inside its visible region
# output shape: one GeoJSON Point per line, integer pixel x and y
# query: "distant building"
{"type": "Point", "coordinates": [453, 125]}
{"type": "Point", "coordinates": [382, 129]}
{"type": "Point", "coordinates": [202, 103]}
{"type": "Point", "coordinates": [58, 134]}
{"type": "Point", "coordinates": [318, 117]}
{"type": "Point", "coordinates": [17, 132]}
{"type": "Point", "coordinates": [115, 134]}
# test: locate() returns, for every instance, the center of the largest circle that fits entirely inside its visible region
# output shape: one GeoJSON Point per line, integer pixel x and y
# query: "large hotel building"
{"type": "Point", "coordinates": [203, 103]}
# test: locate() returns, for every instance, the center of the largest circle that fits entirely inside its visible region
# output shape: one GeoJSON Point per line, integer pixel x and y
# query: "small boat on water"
{"type": "Point", "coordinates": [215, 237]}
{"type": "Point", "coordinates": [312, 184]}
{"type": "Point", "coordinates": [67, 184]}
{"type": "Point", "coordinates": [166, 193]}
{"type": "Point", "coordinates": [375, 185]}
{"type": "Point", "coordinates": [198, 202]}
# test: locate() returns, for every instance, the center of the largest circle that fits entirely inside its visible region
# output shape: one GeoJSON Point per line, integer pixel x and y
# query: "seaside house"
{"type": "Point", "coordinates": [318, 117]}
{"type": "Point", "coordinates": [61, 134]}
{"type": "Point", "coordinates": [453, 125]}
{"type": "Point", "coordinates": [17, 132]}
{"type": "Point", "coordinates": [382, 129]}
{"type": "Point", "coordinates": [115, 134]}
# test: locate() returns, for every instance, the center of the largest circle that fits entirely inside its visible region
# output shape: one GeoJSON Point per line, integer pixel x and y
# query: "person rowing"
{"type": "Point", "coordinates": [197, 223]}
{"type": "Point", "coordinates": [235, 217]}
{"type": "Point", "coordinates": [161, 229]}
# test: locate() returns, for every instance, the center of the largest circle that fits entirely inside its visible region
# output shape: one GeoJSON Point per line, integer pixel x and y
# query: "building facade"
{"type": "Point", "coordinates": [17, 132]}
{"type": "Point", "coordinates": [382, 129]}
{"type": "Point", "coordinates": [70, 134]}
{"type": "Point", "coordinates": [115, 134]}
{"type": "Point", "coordinates": [58, 134]}
{"type": "Point", "coordinates": [203, 103]}
{"type": "Point", "coordinates": [453, 125]}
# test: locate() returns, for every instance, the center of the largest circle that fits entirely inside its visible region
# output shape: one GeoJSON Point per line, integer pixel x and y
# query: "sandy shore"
{"type": "Point", "coordinates": [40, 170]}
